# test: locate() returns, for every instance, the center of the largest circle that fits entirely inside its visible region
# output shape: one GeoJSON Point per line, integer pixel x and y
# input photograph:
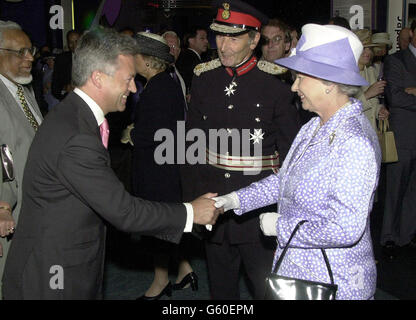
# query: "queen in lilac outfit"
{"type": "Point", "coordinates": [330, 174]}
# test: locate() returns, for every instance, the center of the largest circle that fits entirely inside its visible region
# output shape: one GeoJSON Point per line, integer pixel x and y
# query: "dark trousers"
{"type": "Point", "coordinates": [399, 220]}
{"type": "Point", "coordinates": [224, 261]}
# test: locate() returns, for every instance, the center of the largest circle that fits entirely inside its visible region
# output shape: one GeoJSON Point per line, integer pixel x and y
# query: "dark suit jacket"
{"type": "Point", "coordinates": [400, 73]}
{"type": "Point", "coordinates": [62, 74]}
{"type": "Point", "coordinates": [186, 63]}
{"type": "Point", "coordinates": [69, 192]}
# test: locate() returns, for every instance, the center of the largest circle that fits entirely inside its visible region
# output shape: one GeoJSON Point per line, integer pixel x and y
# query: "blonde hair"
{"type": "Point", "coordinates": [155, 62]}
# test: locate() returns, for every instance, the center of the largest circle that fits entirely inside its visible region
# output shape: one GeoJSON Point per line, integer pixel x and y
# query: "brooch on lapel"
{"type": "Point", "coordinates": [331, 138]}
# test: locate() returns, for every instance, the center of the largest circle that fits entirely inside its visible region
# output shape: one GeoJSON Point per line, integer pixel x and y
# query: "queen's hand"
{"type": "Point", "coordinates": [228, 202]}
{"type": "Point", "coordinates": [268, 223]}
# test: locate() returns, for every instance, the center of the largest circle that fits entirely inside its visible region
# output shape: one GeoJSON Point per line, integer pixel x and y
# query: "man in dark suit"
{"type": "Point", "coordinates": [70, 190]}
{"type": "Point", "coordinates": [19, 114]}
{"type": "Point", "coordinates": [399, 223]}
{"type": "Point", "coordinates": [61, 77]}
{"type": "Point", "coordinates": [237, 93]}
{"type": "Point", "coordinates": [196, 43]}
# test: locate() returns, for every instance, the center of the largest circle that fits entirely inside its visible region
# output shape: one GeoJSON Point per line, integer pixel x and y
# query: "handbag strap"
{"type": "Point", "coordinates": [280, 260]}
{"type": "Point", "coordinates": [383, 125]}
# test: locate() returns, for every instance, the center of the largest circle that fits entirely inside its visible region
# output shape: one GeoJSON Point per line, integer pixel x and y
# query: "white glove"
{"type": "Point", "coordinates": [228, 201]}
{"type": "Point", "coordinates": [268, 223]}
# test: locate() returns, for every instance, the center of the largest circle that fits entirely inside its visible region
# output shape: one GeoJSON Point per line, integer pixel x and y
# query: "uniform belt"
{"type": "Point", "coordinates": [233, 163]}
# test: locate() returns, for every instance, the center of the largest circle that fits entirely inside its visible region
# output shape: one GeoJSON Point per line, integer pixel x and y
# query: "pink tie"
{"type": "Point", "coordinates": [105, 132]}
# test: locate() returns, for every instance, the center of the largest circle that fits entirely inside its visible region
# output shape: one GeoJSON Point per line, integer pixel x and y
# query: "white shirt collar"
{"type": "Point", "coordinates": [412, 49]}
{"type": "Point", "coordinates": [10, 85]}
{"type": "Point", "coordinates": [95, 108]}
{"type": "Point", "coordinates": [195, 53]}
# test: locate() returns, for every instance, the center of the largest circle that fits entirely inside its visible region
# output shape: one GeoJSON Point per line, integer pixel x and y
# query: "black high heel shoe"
{"type": "Point", "coordinates": [166, 291]}
{"type": "Point", "coordinates": [191, 278]}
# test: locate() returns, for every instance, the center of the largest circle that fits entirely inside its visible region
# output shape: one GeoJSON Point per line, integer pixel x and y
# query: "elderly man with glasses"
{"type": "Point", "coordinates": [20, 116]}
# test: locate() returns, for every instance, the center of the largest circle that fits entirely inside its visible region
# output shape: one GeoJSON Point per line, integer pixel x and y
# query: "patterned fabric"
{"type": "Point", "coordinates": [328, 178]}
{"type": "Point", "coordinates": [29, 115]}
{"type": "Point", "coordinates": [105, 133]}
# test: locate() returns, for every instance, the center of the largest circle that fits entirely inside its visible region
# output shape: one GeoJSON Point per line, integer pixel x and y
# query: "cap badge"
{"type": "Point", "coordinates": [226, 12]}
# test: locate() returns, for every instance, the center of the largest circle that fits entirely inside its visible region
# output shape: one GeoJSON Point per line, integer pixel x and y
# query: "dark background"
{"type": "Point", "coordinates": [33, 15]}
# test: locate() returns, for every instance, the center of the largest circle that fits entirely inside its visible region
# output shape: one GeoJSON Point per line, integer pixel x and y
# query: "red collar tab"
{"type": "Point", "coordinates": [237, 18]}
{"type": "Point", "coordinates": [244, 68]}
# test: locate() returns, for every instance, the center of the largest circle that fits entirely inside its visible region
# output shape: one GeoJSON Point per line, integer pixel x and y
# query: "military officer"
{"type": "Point", "coordinates": [248, 106]}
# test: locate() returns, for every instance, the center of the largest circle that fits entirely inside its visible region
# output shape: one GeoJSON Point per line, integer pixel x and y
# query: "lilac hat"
{"type": "Point", "coordinates": [327, 52]}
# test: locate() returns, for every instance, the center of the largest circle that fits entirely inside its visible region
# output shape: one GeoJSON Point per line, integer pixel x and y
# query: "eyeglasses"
{"type": "Point", "coordinates": [22, 53]}
{"type": "Point", "coordinates": [275, 40]}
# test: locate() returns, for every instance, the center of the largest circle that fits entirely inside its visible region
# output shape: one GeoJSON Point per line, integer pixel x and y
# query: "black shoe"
{"type": "Point", "coordinates": [166, 291]}
{"type": "Point", "coordinates": [191, 278]}
{"type": "Point", "coordinates": [390, 250]}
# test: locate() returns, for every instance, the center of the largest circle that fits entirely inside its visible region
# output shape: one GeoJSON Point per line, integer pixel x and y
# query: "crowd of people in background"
{"type": "Point", "coordinates": [172, 79]}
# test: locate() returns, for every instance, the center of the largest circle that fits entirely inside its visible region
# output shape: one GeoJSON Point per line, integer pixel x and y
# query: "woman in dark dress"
{"type": "Point", "coordinates": [160, 106]}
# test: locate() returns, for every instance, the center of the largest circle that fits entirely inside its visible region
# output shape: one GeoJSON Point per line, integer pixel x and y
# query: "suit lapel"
{"type": "Point", "coordinates": [86, 119]}
{"type": "Point", "coordinates": [183, 86]}
{"type": "Point", "coordinates": [409, 61]}
{"type": "Point", "coordinates": [12, 105]}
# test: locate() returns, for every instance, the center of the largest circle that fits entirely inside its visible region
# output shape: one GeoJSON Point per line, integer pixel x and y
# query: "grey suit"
{"type": "Point", "coordinates": [17, 133]}
{"type": "Point", "coordinates": [399, 222]}
{"type": "Point", "coordinates": [70, 190]}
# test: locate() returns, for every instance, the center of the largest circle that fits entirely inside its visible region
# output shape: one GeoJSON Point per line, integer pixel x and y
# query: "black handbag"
{"type": "Point", "coordinates": [285, 288]}
{"type": "Point", "coordinates": [6, 163]}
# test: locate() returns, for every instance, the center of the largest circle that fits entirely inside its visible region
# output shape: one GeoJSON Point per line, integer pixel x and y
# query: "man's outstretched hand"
{"type": "Point", "coordinates": [205, 212]}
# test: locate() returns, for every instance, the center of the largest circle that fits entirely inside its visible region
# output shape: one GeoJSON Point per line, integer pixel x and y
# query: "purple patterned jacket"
{"type": "Point", "coordinates": [328, 178]}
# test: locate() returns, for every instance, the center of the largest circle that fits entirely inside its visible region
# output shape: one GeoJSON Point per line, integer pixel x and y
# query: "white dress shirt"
{"type": "Point", "coordinates": [99, 116]}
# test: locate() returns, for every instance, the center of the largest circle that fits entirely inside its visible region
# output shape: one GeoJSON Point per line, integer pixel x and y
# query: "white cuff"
{"type": "Point", "coordinates": [189, 217]}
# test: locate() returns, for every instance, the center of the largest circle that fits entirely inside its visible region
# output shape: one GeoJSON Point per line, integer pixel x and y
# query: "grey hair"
{"type": "Point", "coordinates": [98, 50]}
{"type": "Point", "coordinates": [346, 89]}
{"type": "Point", "coordinates": [252, 34]}
{"type": "Point", "coordinates": [155, 62]}
{"type": "Point", "coordinates": [7, 25]}
{"type": "Point", "coordinates": [173, 34]}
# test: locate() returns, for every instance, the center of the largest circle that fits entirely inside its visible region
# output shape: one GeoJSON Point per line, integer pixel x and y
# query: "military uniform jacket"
{"type": "Point", "coordinates": [249, 97]}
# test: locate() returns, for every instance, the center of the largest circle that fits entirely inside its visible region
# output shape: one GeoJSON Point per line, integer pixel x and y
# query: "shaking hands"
{"type": "Point", "coordinates": [205, 211]}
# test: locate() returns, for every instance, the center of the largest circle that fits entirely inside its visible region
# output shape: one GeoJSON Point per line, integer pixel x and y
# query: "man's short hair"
{"type": "Point", "coordinates": [173, 34]}
{"type": "Point", "coordinates": [73, 31]}
{"type": "Point", "coordinates": [413, 26]}
{"type": "Point", "coordinates": [282, 26]}
{"type": "Point", "coordinates": [99, 49]}
{"type": "Point", "coordinates": [7, 25]}
{"type": "Point", "coordinates": [192, 34]}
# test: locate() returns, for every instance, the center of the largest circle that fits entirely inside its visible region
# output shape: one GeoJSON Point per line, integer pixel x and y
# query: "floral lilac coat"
{"type": "Point", "coordinates": [328, 178]}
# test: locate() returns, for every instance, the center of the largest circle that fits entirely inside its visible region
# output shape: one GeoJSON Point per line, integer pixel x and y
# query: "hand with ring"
{"type": "Point", "coordinates": [7, 223]}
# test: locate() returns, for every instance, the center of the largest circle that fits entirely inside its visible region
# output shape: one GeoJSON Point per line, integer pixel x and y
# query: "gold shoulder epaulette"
{"type": "Point", "coordinates": [206, 66]}
{"type": "Point", "coordinates": [271, 68]}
